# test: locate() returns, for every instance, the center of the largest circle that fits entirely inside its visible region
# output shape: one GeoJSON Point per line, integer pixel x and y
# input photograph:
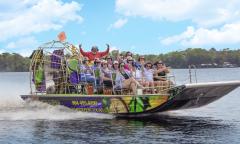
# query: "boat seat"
{"type": "Point", "coordinates": [56, 57]}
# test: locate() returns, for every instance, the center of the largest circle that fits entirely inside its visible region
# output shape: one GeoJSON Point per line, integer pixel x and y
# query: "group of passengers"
{"type": "Point", "coordinates": [123, 71]}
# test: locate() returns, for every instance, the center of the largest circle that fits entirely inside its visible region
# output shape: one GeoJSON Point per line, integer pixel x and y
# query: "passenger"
{"type": "Point", "coordinates": [141, 62]}
{"type": "Point", "coordinates": [148, 75]}
{"type": "Point", "coordinates": [138, 75]}
{"type": "Point", "coordinates": [97, 64]}
{"type": "Point", "coordinates": [94, 52]}
{"type": "Point", "coordinates": [106, 74]}
{"type": "Point", "coordinates": [109, 62]}
{"type": "Point", "coordinates": [127, 55]}
{"type": "Point", "coordinates": [160, 74]}
{"type": "Point", "coordinates": [125, 80]}
{"type": "Point", "coordinates": [130, 63]}
{"type": "Point", "coordinates": [160, 71]}
{"type": "Point", "coordinates": [115, 67]}
{"type": "Point", "coordinates": [120, 58]}
{"type": "Point", "coordinates": [86, 73]}
{"type": "Point", "coordinates": [89, 75]}
{"type": "Point", "coordinates": [82, 67]}
{"type": "Point", "coordinates": [115, 70]}
{"type": "Point", "coordinates": [97, 71]}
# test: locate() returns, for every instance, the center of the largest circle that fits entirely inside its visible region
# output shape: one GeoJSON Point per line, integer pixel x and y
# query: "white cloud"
{"type": "Point", "coordinates": [227, 34]}
{"type": "Point", "coordinates": [204, 13]}
{"type": "Point", "coordinates": [22, 42]}
{"type": "Point", "coordinates": [118, 24]}
{"type": "Point", "coordinates": [173, 39]}
{"type": "Point", "coordinates": [24, 17]}
{"type": "Point", "coordinates": [24, 45]}
{"type": "Point", "coordinates": [155, 9]}
{"type": "Point", "coordinates": [214, 22]}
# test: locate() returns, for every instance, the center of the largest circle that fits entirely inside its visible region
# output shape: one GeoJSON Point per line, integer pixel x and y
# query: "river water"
{"type": "Point", "coordinates": [36, 122]}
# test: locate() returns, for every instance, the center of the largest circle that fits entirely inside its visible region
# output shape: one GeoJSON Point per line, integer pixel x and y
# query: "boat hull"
{"type": "Point", "coordinates": [180, 97]}
{"type": "Point", "coordinates": [104, 104]}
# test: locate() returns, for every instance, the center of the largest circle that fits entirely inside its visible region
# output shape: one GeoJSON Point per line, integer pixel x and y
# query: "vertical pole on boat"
{"type": "Point", "coordinates": [190, 73]}
{"type": "Point", "coordinates": [195, 73]}
{"type": "Point", "coordinates": [31, 71]}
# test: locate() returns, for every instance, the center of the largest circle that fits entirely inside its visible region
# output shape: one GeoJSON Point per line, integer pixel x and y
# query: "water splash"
{"type": "Point", "coordinates": [19, 110]}
{"type": "Point", "coordinates": [12, 107]}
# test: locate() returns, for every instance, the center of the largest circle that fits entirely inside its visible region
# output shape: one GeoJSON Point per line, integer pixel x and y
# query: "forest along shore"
{"type": "Point", "coordinates": [201, 58]}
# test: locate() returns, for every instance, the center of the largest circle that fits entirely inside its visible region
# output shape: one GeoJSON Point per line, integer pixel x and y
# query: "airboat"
{"type": "Point", "coordinates": [54, 79]}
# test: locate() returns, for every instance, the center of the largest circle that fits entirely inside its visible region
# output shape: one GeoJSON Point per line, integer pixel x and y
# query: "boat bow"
{"type": "Point", "coordinates": [198, 94]}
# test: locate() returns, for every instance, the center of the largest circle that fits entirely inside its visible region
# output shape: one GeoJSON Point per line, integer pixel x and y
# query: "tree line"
{"type": "Point", "coordinates": [13, 62]}
{"type": "Point", "coordinates": [199, 57]}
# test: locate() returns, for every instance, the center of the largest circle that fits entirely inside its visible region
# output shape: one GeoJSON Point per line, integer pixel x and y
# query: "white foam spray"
{"type": "Point", "coordinates": [42, 111]}
{"type": "Point", "coordinates": [12, 107]}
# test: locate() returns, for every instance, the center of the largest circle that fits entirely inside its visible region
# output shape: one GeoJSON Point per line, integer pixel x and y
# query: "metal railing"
{"type": "Point", "coordinates": [190, 67]}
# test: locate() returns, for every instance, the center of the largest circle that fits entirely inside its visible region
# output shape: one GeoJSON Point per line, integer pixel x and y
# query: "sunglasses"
{"type": "Point", "coordinates": [149, 66]}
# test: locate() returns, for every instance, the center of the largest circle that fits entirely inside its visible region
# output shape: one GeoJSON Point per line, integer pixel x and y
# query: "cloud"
{"type": "Point", "coordinates": [24, 45]}
{"type": "Point", "coordinates": [174, 39]}
{"type": "Point", "coordinates": [227, 34]}
{"type": "Point", "coordinates": [213, 22]}
{"type": "Point", "coordinates": [204, 13]}
{"type": "Point", "coordinates": [24, 17]}
{"type": "Point", "coordinates": [118, 24]}
{"type": "Point", "coordinates": [22, 42]}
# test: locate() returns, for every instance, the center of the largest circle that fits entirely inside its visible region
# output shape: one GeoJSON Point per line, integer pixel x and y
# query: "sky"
{"type": "Point", "coordinates": [140, 26]}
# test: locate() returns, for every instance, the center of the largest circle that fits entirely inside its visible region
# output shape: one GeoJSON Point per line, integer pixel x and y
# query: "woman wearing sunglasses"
{"type": "Point", "coordinates": [124, 79]}
{"type": "Point", "coordinates": [160, 74]}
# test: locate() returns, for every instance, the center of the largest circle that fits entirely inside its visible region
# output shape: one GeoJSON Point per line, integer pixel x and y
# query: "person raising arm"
{"type": "Point", "coordinates": [94, 53]}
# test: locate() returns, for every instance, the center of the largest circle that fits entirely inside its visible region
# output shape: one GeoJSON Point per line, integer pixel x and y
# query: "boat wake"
{"type": "Point", "coordinates": [16, 109]}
